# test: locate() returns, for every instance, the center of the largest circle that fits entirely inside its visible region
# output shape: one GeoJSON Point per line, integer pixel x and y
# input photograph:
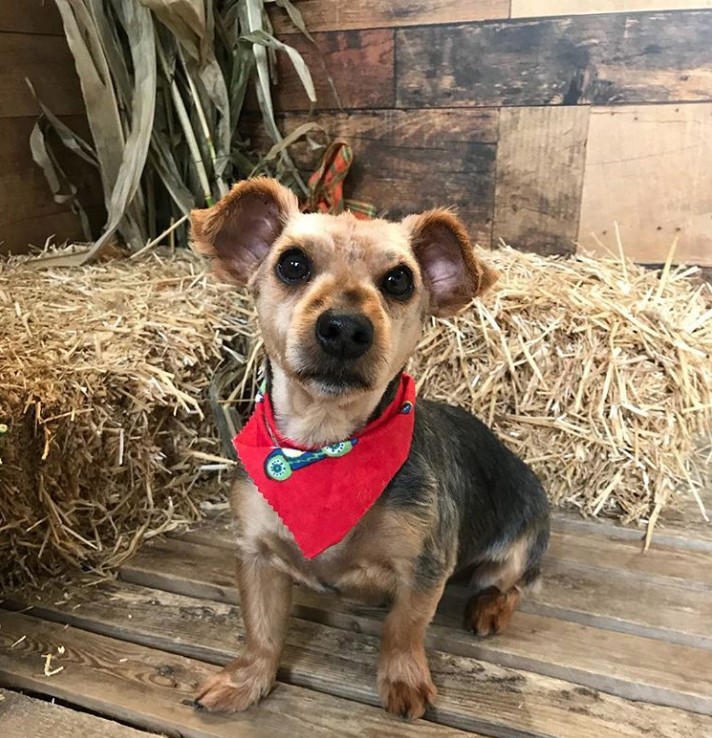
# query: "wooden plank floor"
{"type": "Point", "coordinates": [617, 643]}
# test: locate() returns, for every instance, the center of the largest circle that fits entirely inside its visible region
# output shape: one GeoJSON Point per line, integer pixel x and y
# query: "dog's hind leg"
{"type": "Point", "coordinates": [500, 583]}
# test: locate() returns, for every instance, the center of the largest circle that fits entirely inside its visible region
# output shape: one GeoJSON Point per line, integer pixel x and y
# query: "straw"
{"type": "Point", "coordinates": [103, 388]}
{"type": "Point", "coordinates": [598, 373]}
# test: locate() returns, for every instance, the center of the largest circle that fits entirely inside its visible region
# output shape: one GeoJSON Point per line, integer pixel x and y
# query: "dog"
{"type": "Point", "coordinates": [341, 304]}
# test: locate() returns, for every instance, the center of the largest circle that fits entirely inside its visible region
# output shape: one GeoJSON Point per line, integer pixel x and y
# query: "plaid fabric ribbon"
{"type": "Point", "coordinates": [326, 185]}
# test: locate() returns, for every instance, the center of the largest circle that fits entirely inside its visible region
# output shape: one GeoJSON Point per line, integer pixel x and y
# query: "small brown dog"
{"type": "Point", "coordinates": [341, 304]}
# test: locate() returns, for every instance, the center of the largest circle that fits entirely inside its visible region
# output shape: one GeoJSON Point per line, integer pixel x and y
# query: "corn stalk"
{"type": "Point", "coordinates": [164, 84]}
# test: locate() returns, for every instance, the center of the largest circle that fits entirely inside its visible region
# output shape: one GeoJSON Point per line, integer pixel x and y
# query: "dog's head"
{"type": "Point", "coordinates": [341, 301]}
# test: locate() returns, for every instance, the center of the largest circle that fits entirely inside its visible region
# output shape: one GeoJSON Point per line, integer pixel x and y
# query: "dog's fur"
{"type": "Point", "coordinates": [461, 502]}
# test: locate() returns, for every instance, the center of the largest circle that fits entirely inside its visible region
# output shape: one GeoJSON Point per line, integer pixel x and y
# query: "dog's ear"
{"type": "Point", "coordinates": [238, 232]}
{"type": "Point", "coordinates": [452, 272]}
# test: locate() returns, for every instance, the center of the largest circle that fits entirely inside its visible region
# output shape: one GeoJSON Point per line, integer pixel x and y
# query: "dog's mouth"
{"type": "Point", "coordinates": [339, 381]}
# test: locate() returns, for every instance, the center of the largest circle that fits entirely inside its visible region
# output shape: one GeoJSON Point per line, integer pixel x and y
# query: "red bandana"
{"type": "Point", "coordinates": [321, 494]}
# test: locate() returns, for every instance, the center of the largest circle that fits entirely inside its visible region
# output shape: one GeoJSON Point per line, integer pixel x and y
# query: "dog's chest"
{"type": "Point", "coordinates": [366, 564]}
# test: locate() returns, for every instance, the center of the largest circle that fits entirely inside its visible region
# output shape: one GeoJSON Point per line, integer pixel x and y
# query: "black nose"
{"type": "Point", "coordinates": [344, 335]}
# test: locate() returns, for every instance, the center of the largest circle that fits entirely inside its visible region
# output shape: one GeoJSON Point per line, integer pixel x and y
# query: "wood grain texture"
{"type": "Point", "coordinates": [669, 565]}
{"type": "Point", "coordinates": [26, 717]}
{"type": "Point", "coordinates": [648, 169]}
{"type": "Point", "coordinates": [585, 594]}
{"type": "Point", "coordinates": [196, 570]}
{"type": "Point", "coordinates": [150, 688]}
{"type": "Point", "coordinates": [332, 16]}
{"type": "Point", "coordinates": [24, 191]}
{"type": "Point", "coordinates": [359, 63]}
{"type": "Point", "coordinates": [600, 59]}
{"type": "Point", "coordinates": [683, 559]}
{"type": "Point", "coordinates": [682, 521]}
{"type": "Point", "coordinates": [17, 237]}
{"type": "Point", "coordinates": [540, 8]}
{"type": "Point", "coordinates": [613, 601]}
{"type": "Point", "coordinates": [48, 64]}
{"type": "Point", "coordinates": [474, 695]}
{"type": "Point", "coordinates": [645, 670]}
{"type": "Point", "coordinates": [661, 57]}
{"type": "Point", "coordinates": [408, 161]}
{"type": "Point", "coordinates": [30, 16]}
{"type": "Point", "coordinates": [540, 169]}
{"type": "Point", "coordinates": [682, 529]}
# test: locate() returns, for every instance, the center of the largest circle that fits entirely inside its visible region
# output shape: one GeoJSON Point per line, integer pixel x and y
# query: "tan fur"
{"type": "Point", "coordinates": [245, 235]}
{"type": "Point", "coordinates": [371, 561]}
{"type": "Point", "coordinates": [404, 681]}
{"type": "Point", "coordinates": [213, 229]}
{"type": "Point", "coordinates": [265, 597]}
{"type": "Point", "coordinates": [477, 277]}
{"type": "Point", "coordinates": [352, 254]}
{"type": "Point", "coordinates": [510, 565]}
{"type": "Point", "coordinates": [490, 611]}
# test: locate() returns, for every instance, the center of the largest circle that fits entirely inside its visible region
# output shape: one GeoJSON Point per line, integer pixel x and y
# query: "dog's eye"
{"type": "Point", "coordinates": [398, 283]}
{"type": "Point", "coordinates": [293, 266]}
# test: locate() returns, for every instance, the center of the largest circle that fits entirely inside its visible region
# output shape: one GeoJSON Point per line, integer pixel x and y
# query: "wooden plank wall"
{"type": "Point", "coordinates": [32, 46]}
{"type": "Point", "coordinates": [546, 122]}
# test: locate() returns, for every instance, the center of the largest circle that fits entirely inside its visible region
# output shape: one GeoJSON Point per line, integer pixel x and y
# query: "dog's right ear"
{"type": "Point", "coordinates": [238, 232]}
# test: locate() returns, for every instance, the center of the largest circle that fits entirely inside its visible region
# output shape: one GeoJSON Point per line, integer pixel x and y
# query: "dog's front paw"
{"type": "Point", "coordinates": [407, 700]}
{"type": "Point", "coordinates": [239, 685]}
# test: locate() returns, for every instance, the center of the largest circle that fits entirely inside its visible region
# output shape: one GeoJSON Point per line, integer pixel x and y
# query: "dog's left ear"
{"type": "Point", "coordinates": [452, 271]}
{"type": "Point", "coordinates": [238, 232]}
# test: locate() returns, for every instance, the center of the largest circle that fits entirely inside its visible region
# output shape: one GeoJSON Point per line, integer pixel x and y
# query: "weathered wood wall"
{"type": "Point", "coordinates": [546, 122]}
{"type": "Point", "coordinates": [32, 46]}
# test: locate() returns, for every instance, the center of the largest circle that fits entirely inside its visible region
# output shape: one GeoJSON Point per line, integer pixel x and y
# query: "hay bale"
{"type": "Point", "coordinates": [598, 373]}
{"type": "Point", "coordinates": [103, 375]}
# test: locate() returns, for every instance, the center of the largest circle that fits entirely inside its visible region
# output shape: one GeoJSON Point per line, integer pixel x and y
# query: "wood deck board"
{"type": "Point", "coordinates": [148, 687]}
{"type": "Point", "coordinates": [622, 665]}
{"type": "Point", "coordinates": [675, 529]}
{"type": "Point", "coordinates": [615, 645]}
{"type": "Point", "coordinates": [572, 591]}
{"type": "Point", "coordinates": [193, 570]}
{"type": "Point", "coordinates": [672, 553]}
{"type": "Point", "coordinates": [586, 594]}
{"type": "Point", "coordinates": [26, 717]}
{"type": "Point", "coordinates": [508, 702]}
{"type": "Point", "coordinates": [691, 569]}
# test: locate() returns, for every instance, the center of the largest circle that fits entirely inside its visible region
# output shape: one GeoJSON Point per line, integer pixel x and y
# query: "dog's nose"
{"type": "Point", "coordinates": [344, 335]}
